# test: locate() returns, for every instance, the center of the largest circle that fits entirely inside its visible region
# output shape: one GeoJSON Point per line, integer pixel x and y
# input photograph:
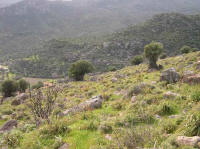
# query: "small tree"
{"type": "Point", "coordinates": [185, 49]}
{"type": "Point", "coordinates": [79, 69]}
{"type": "Point", "coordinates": [152, 52]}
{"type": "Point", "coordinates": [8, 88]}
{"type": "Point", "coordinates": [22, 85]}
{"type": "Point", "coordinates": [42, 104]}
{"type": "Point", "coordinates": [138, 59]}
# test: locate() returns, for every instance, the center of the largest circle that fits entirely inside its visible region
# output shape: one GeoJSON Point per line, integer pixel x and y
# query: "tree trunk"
{"type": "Point", "coordinates": [152, 64]}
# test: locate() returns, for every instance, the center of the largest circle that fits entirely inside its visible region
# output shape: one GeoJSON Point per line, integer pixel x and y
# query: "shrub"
{"type": "Point", "coordinates": [12, 139]}
{"type": "Point", "coordinates": [163, 56]}
{"type": "Point", "coordinates": [152, 52]}
{"type": "Point", "coordinates": [79, 69]}
{"type": "Point", "coordinates": [196, 96]}
{"type": "Point", "coordinates": [112, 68]}
{"type": "Point", "coordinates": [138, 59]}
{"type": "Point", "coordinates": [92, 125]}
{"type": "Point", "coordinates": [42, 104]}
{"type": "Point", "coordinates": [106, 128]}
{"type": "Point", "coordinates": [185, 49]}
{"type": "Point", "coordinates": [169, 127]}
{"type": "Point", "coordinates": [192, 124]}
{"type": "Point", "coordinates": [8, 88]}
{"type": "Point", "coordinates": [194, 49]}
{"type": "Point", "coordinates": [54, 129]}
{"type": "Point", "coordinates": [38, 85]}
{"type": "Point", "coordinates": [22, 85]}
{"type": "Point", "coordinates": [167, 109]}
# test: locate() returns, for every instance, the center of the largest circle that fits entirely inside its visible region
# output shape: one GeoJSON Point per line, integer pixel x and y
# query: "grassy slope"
{"type": "Point", "coordinates": [83, 134]}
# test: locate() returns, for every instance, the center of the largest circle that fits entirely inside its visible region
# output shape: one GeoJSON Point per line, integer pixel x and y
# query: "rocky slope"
{"type": "Point", "coordinates": [133, 107]}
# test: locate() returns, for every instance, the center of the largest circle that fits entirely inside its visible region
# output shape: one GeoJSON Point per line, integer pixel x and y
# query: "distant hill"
{"type": "Point", "coordinates": [54, 57]}
{"type": "Point", "coordinates": [25, 24]}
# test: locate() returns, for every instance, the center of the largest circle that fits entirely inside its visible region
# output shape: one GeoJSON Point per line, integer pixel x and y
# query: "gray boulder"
{"type": "Point", "coordinates": [188, 141]}
{"type": "Point", "coordinates": [8, 126]}
{"type": "Point", "coordinates": [91, 104]}
{"type": "Point", "coordinates": [20, 99]}
{"type": "Point", "coordinates": [170, 75]}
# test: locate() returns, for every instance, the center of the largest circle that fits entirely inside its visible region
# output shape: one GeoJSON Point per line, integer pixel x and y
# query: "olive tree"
{"type": "Point", "coordinates": [79, 69]}
{"type": "Point", "coordinates": [152, 52]}
{"type": "Point", "coordinates": [22, 85]}
{"type": "Point", "coordinates": [9, 87]}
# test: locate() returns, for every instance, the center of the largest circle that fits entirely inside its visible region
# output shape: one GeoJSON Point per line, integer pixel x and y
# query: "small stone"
{"type": "Point", "coordinates": [157, 116]}
{"type": "Point", "coordinates": [114, 80]}
{"type": "Point", "coordinates": [173, 116]}
{"type": "Point", "coordinates": [133, 99]}
{"type": "Point", "coordinates": [108, 137]}
{"type": "Point", "coordinates": [64, 146]}
{"type": "Point", "coordinates": [170, 95]}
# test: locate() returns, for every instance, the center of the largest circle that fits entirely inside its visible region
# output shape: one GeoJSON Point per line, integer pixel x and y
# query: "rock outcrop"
{"type": "Point", "coordinates": [170, 76]}
{"type": "Point", "coordinates": [93, 103]}
{"type": "Point", "coordinates": [20, 99]}
{"type": "Point", "coordinates": [194, 79]}
{"type": "Point", "coordinates": [8, 126]}
{"type": "Point", "coordinates": [188, 141]}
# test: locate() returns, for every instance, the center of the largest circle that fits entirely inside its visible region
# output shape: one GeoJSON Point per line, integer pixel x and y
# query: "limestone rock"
{"type": "Point", "coordinates": [170, 95]}
{"type": "Point", "coordinates": [198, 65]}
{"type": "Point", "coordinates": [195, 79]}
{"type": "Point", "coordinates": [20, 99]}
{"type": "Point", "coordinates": [64, 146]}
{"type": "Point", "coordinates": [93, 103]}
{"type": "Point", "coordinates": [133, 99]}
{"type": "Point", "coordinates": [8, 126]}
{"type": "Point", "coordinates": [188, 141]}
{"type": "Point", "coordinates": [170, 75]}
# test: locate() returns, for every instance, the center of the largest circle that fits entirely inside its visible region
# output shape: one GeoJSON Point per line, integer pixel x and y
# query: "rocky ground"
{"type": "Point", "coordinates": [130, 108]}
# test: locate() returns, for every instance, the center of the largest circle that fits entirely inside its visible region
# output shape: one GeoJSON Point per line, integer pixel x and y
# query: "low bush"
{"type": "Point", "coordinates": [54, 129]}
{"type": "Point", "coordinates": [185, 49]}
{"type": "Point", "coordinates": [196, 96]}
{"type": "Point", "coordinates": [12, 139]}
{"type": "Point", "coordinates": [192, 124]}
{"type": "Point", "coordinates": [167, 109]}
{"type": "Point", "coordinates": [136, 60]}
{"type": "Point", "coordinates": [106, 128]}
{"type": "Point", "coordinates": [169, 127]}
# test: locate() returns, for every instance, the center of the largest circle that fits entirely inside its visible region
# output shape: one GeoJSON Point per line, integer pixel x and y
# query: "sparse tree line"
{"type": "Point", "coordinates": [154, 51]}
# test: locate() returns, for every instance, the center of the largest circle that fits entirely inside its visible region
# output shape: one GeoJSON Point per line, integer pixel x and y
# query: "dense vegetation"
{"type": "Point", "coordinates": [54, 58]}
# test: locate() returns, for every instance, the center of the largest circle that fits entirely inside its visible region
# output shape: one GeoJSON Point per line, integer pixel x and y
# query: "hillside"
{"type": "Point", "coordinates": [25, 24]}
{"type": "Point", "coordinates": [54, 57]}
{"type": "Point", "coordinates": [138, 110]}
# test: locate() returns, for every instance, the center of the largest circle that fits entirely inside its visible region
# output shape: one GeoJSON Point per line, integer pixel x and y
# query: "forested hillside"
{"type": "Point", "coordinates": [173, 30]}
{"type": "Point", "coordinates": [24, 25]}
